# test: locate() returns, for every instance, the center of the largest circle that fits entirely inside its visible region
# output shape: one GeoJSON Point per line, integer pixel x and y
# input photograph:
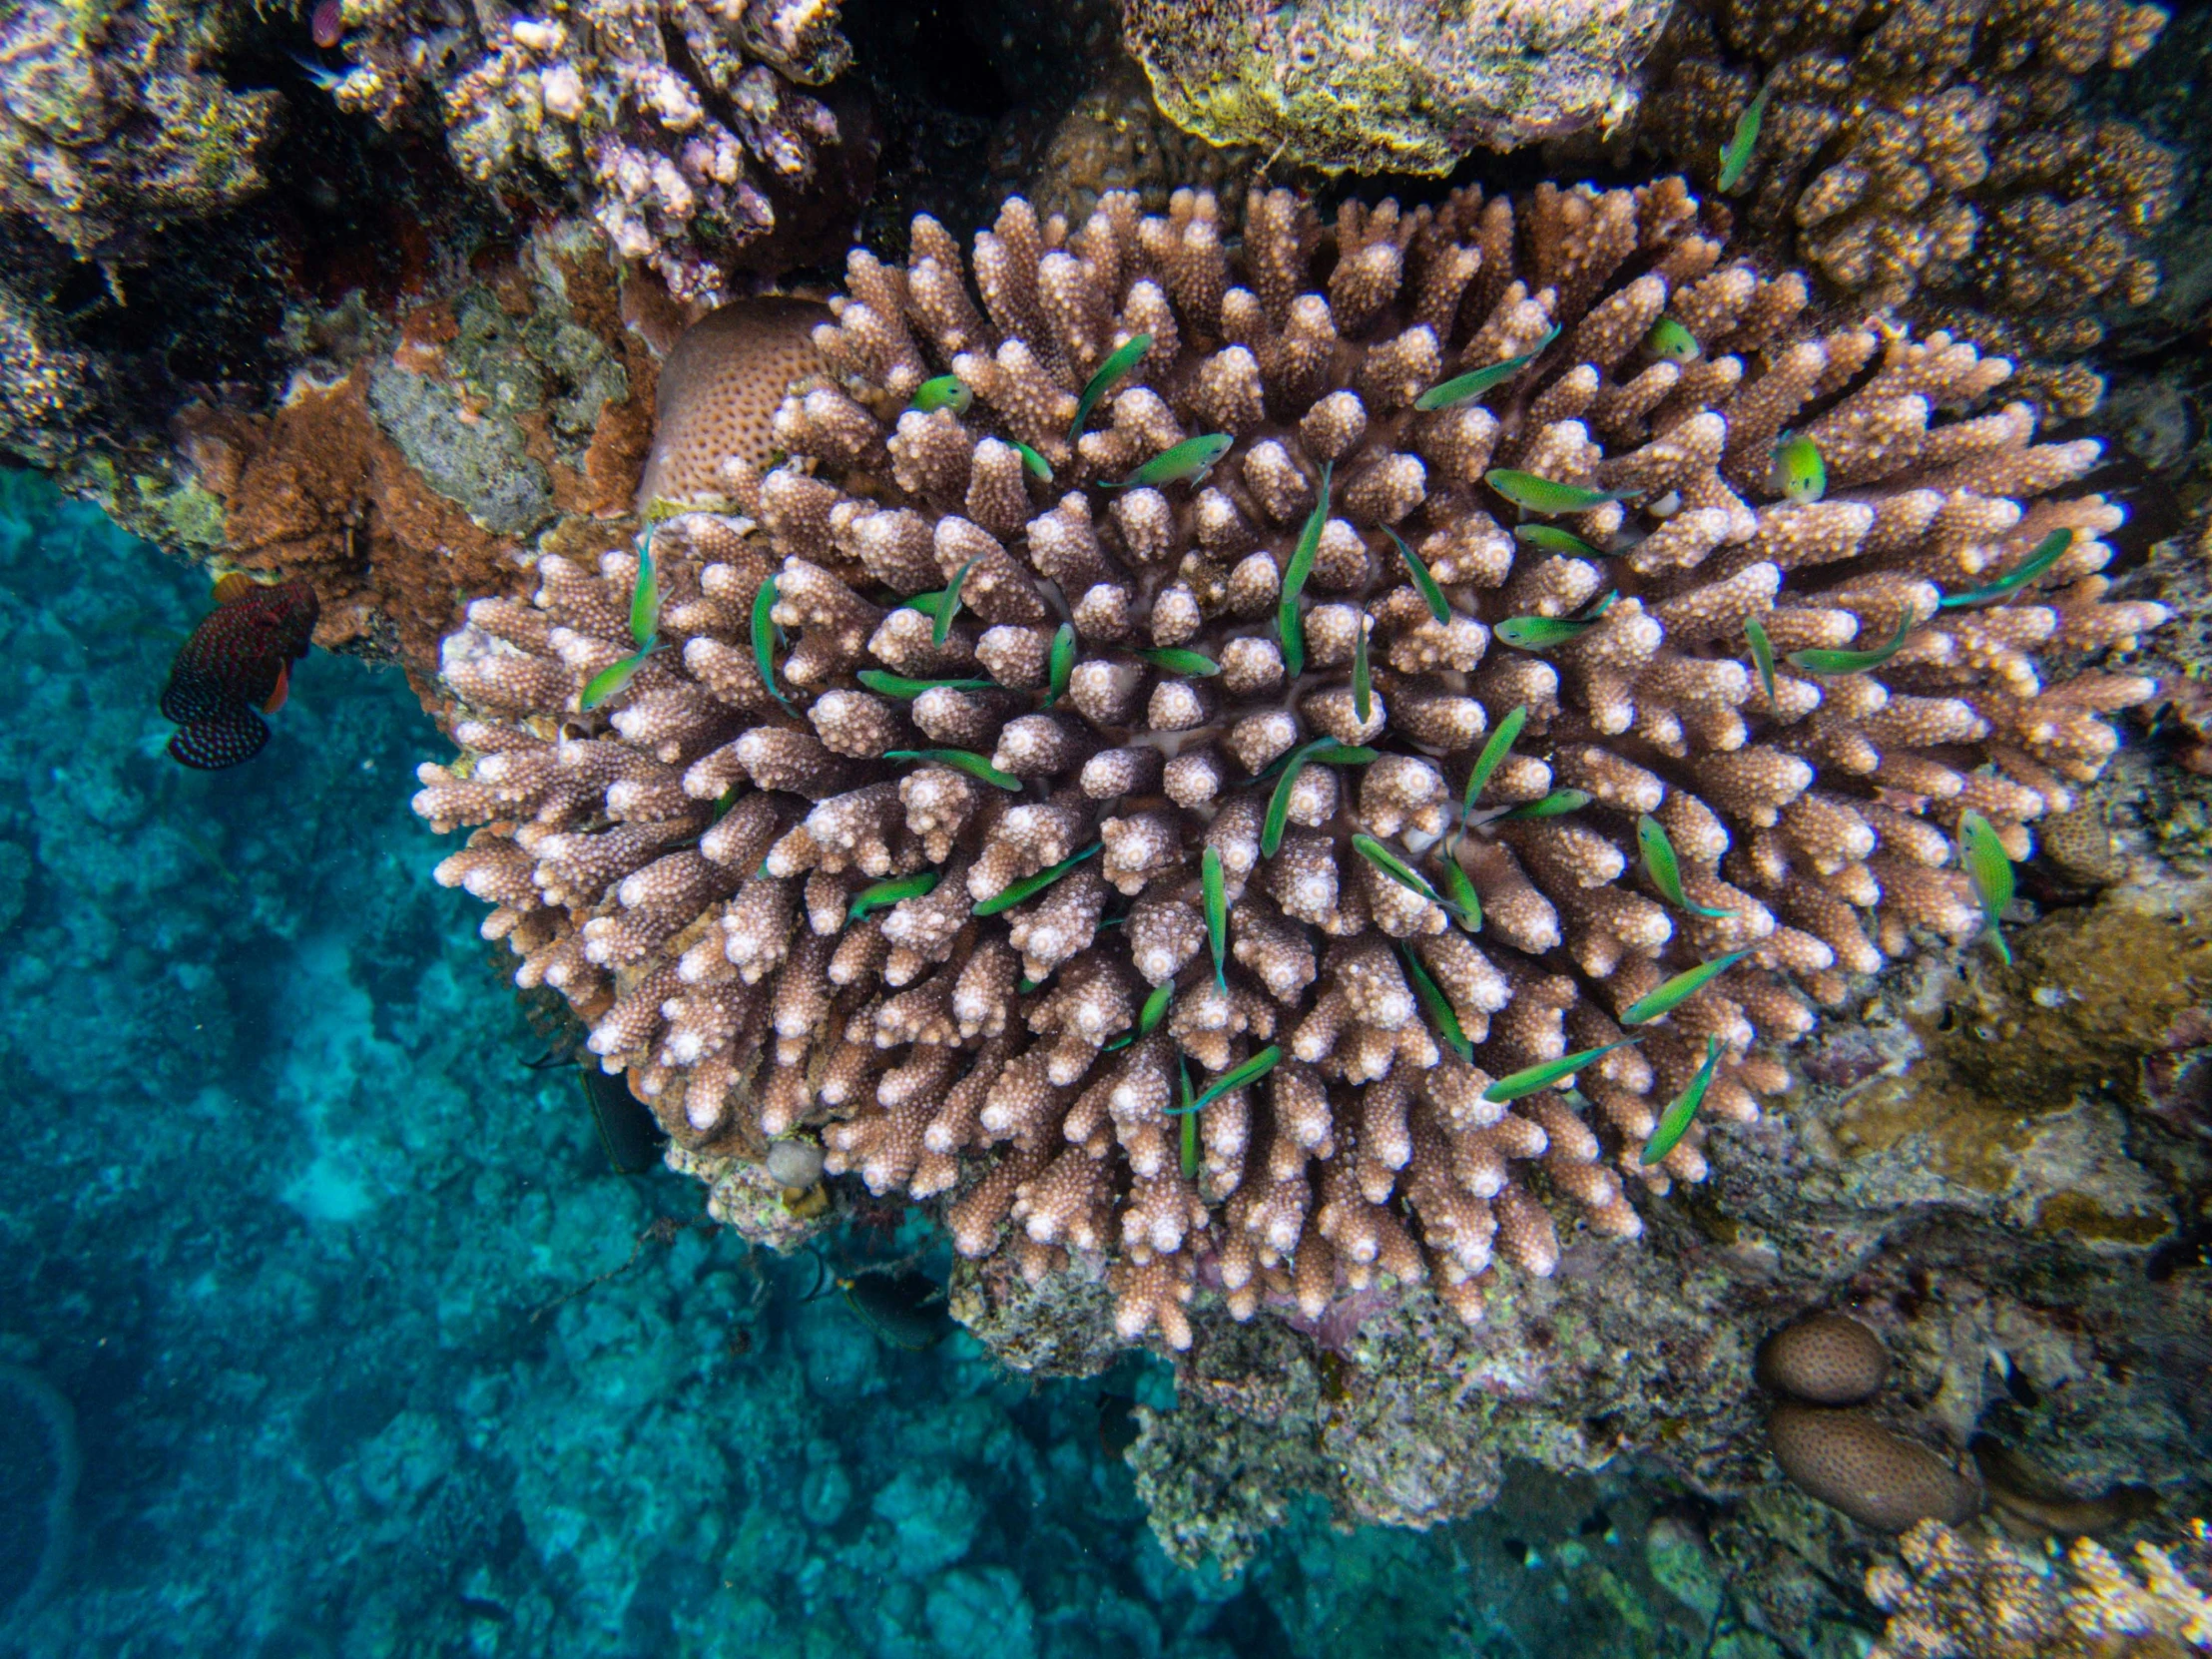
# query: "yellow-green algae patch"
{"type": "Point", "coordinates": [2091, 996]}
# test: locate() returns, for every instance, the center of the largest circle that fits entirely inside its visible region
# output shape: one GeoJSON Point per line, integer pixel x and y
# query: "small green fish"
{"type": "Point", "coordinates": [1189, 460]}
{"type": "Point", "coordinates": [1542, 495]}
{"type": "Point", "coordinates": [1189, 1113]}
{"type": "Point", "coordinates": [1736, 153]}
{"type": "Point", "coordinates": [1196, 665]}
{"type": "Point", "coordinates": [1437, 1006]}
{"type": "Point", "coordinates": [1363, 682]}
{"type": "Point", "coordinates": [1461, 892]}
{"type": "Point", "coordinates": [1494, 752]}
{"type": "Point", "coordinates": [1664, 870]}
{"type": "Point", "coordinates": [888, 892]}
{"type": "Point", "coordinates": [2047, 553]}
{"type": "Point", "coordinates": [1250, 1072]}
{"type": "Point", "coordinates": [1679, 989]}
{"type": "Point", "coordinates": [946, 391]}
{"type": "Point", "coordinates": [611, 680]}
{"type": "Point", "coordinates": [1514, 1085]}
{"type": "Point", "coordinates": [1060, 664]}
{"type": "Point", "coordinates": [1324, 752]}
{"type": "Point", "coordinates": [897, 685]}
{"type": "Point", "coordinates": [942, 627]}
{"type": "Point", "coordinates": [1668, 340]}
{"type": "Point", "coordinates": [960, 759]}
{"type": "Point", "coordinates": [645, 598]}
{"type": "Point", "coordinates": [1466, 387]}
{"type": "Point", "coordinates": [1557, 803]}
{"type": "Point", "coordinates": [1217, 912]}
{"type": "Point", "coordinates": [1853, 662]}
{"type": "Point", "coordinates": [1039, 468]}
{"type": "Point", "coordinates": [1124, 358]}
{"type": "Point", "coordinates": [1799, 471]}
{"type": "Point", "coordinates": [1423, 583]}
{"type": "Point", "coordinates": [1541, 633]}
{"type": "Point", "coordinates": [1990, 868]}
{"type": "Point", "coordinates": [1389, 863]}
{"type": "Point", "coordinates": [764, 634]}
{"type": "Point", "coordinates": [1550, 538]}
{"type": "Point", "coordinates": [1289, 629]}
{"type": "Point", "coordinates": [1148, 1019]}
{"type": "Point", "coordinates": [1674, 1122]}
{"type": "Point", "coordinates": [1762, 653]}
{"type": "Point", "coordinates": [929, 604]}
{"type": "Point", "coordinates": [1029, 886]}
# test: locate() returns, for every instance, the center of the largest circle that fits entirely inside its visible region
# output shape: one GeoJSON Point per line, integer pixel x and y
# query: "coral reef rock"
{"type": "Point", "coordinates": [115, 123]}
{"type": "Point", "coordinates": [1930, 152]}
{"type": "Point", "coordinates": [1391, 85]}
{"type": "Point", "coordinates": [679, 125]}
{"type": "Point", "coordinates": [1054, 826]}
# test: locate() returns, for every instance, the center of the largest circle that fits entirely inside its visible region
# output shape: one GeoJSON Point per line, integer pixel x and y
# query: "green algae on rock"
{"type": "Point", "coordinates": [1378, 86]}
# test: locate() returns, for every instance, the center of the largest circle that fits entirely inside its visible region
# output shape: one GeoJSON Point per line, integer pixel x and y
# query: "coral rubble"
{"type": "Point", "coordinates": [684, 863]}
{"type": "Point", "coordinates": [1381, 86]}
{"type": "Point", "coordinates": [1933, 153]}
{"type": "Point", "coordinates": [675, 122]}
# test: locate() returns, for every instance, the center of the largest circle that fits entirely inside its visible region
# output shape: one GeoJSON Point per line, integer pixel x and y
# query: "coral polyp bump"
{"type": "Point", "coordinates": [682, 862]}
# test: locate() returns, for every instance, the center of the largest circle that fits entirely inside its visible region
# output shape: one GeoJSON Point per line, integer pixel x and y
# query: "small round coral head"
{"type": "Point", "coordinates": [1799, 474]}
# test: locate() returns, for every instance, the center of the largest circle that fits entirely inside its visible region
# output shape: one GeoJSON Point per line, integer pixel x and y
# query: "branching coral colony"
{"type": "Point", "coordinates": [970, 810]}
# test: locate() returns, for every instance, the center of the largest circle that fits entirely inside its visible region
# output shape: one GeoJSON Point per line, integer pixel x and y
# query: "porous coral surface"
{"type": "Point", "coordinates": [682, 863]}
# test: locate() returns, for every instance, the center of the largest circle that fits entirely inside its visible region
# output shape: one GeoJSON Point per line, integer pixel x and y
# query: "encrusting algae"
{"type": "Point", "coordinates": [681, 863]}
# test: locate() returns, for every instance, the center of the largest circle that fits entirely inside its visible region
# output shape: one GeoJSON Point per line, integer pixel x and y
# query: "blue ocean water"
{"type": "Point", "coordinates": [358, 1347]}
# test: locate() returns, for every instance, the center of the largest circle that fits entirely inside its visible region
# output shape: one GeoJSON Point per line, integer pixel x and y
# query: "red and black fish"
{"type": "Point", "coordinates": [236, 668]}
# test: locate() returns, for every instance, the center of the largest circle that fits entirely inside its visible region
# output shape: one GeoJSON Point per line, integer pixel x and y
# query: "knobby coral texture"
{"type": "Point", "coordinates": [675, 122]}
{"type": "Point", "coordinates": [1934, 151]}
{"type": "Point", "coordinates": [683, 862]}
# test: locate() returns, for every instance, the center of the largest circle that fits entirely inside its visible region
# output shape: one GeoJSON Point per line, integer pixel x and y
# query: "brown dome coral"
{"type": "Point", "coordinates": [1053, 774]}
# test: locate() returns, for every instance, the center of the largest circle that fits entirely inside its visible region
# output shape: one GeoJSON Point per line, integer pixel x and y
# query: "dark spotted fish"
{"type": "Point", "coordinates": [236, 668]}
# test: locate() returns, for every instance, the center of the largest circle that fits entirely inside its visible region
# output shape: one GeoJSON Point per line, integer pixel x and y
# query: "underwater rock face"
{"type": "Point", "coordinates": [1391, 85]}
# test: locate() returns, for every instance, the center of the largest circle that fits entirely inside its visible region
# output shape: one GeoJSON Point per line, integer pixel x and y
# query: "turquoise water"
{"type": "Point", "coordinates": [367, 1350]}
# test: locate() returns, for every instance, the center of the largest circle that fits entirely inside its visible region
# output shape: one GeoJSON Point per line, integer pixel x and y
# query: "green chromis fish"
{"type": "Point", "coordinates": [1189, 1114]}
{"type": "Point", "coordinates": [1124, 358]}
{"type": "Point", "coordinates": [1322, 750]}
{"type": "Point", "coordinates": [1672, 342]}
{"type": "Point", "coordinates": [1238, 1077]}
{"type": "Point", "coordinates": [1217, 912]}
{"type": "Point", "coordinates": [1363, 682]}
{"type": "Point", "coordinates": [1039, 468]}
{"type": "Point", "coordinates": [1549, 538]}
{"type": "Point", "coordinates": [1465, 388]}
{"type": "Point", "coordinates": [1189, 461]}
{"type": "Point", "coordinates": [1541, 633]}
{"type": "Point", "coordinates": [1514, 1085]}
{"type": "Point", "coordinates": [645, 598]}
{"type": "Point", "coordinates": [1289, 629]}
{"type": "Point", "coordinates": [1438, 1007]}
{"type": "Point", "coordinates": [1664, 870]}
{"type": "Point", "coordinates": [1674, 1122]}
{"type": "Point", "coordinates": [1494, 752]}
{"type": "Point", "coordinates": [2048, 552]}
{"type": "Point", "coordinates": [1390, 865]}
{"type": "Point", "coordinates": [763, 641]}
{"type": "Point", "coordinates": [1060, 664]}
{"type": "Point", "coordinates": [960, 759]}
{"type": "Point", "coordinates": [1557, 803]}
{"type": "Point", "coordinates": [1542, 495]}
{"type": "Point", "coordinates": [1466, 903]}
{"type": "Point", "coordinates": [898, 685]}
{"type": "Point", "coordinates": [1148, 1018]}
{"type": "Point", "coordinates": [1679, 989]}
{"type": "Point", "coordinates": [1016, 891]}
{"type": "Point", "coordinates": [1175, 660]}
{"type": "Point", "coordinates": [1853, 662]}
{"type": "Point", "coordinates": [1762, 654]}
{"type": "Point", "coordinates": [1989, 869]}
{"type": "Point", "coordinates": [1799, 474]}
{"type": "Point", "coordinates": [941, 628]}
{"type": "Point", "coordinates": [1424, 584]}
{"type": "Point", "coordinates": [1736, 153]}
{"type": "Point", "coordinates": [946, 391]}
{"type": "Point", "coordinates": [889, 893]}
{"type": "Point", "coordinates": [611, 680]}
